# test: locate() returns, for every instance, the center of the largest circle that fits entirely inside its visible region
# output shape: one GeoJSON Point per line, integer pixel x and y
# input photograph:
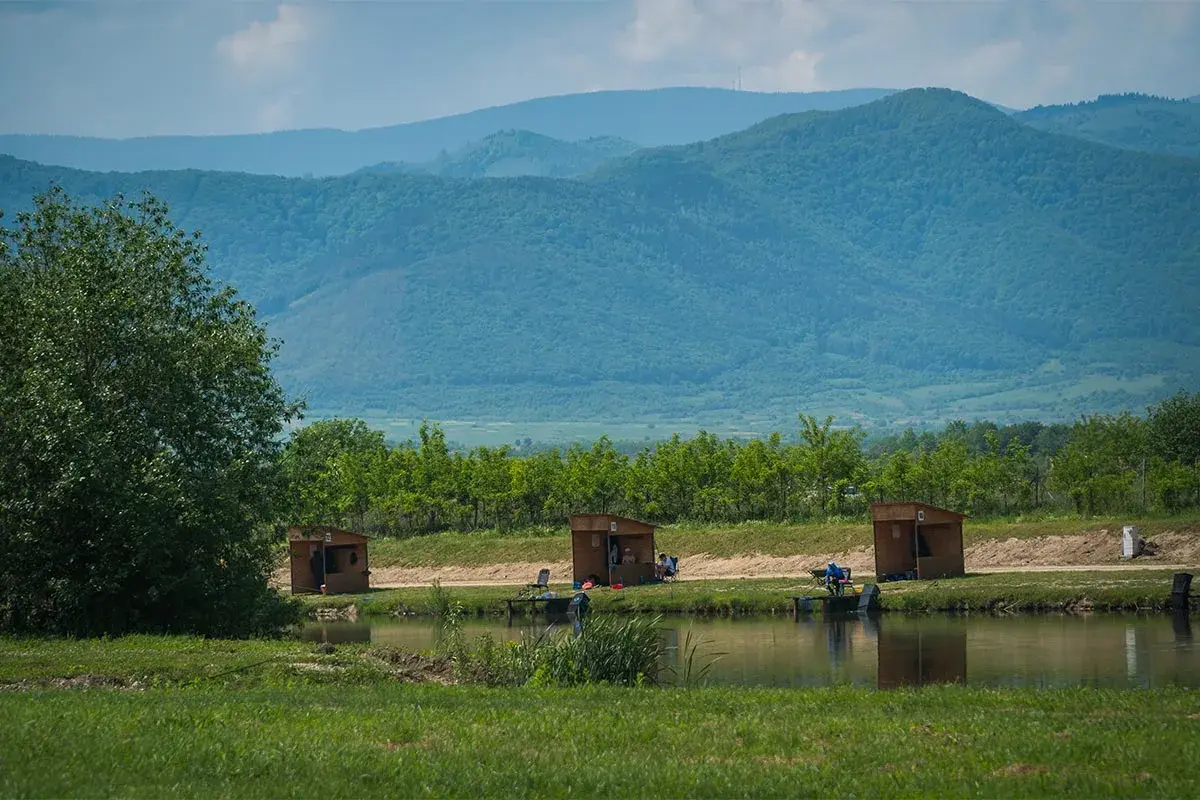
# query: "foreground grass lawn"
{"type": "Point", "coordinates": [1101, 590]}
{"type": "Point", "coordinates": [766, 538]}
{"type": "Point", "coordinates": [393, 740]}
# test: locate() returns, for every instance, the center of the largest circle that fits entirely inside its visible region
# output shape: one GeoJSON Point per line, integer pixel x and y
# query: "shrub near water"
{"type": "Point", "coordinates": [624, 652]}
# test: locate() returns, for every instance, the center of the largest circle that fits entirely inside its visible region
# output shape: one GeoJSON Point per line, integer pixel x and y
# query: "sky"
{"type": "Point", "coordinates": [121, 68]}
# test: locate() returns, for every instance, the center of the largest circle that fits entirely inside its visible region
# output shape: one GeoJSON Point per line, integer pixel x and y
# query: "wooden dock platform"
{"type": "Point", "coordinates": [867, 602]}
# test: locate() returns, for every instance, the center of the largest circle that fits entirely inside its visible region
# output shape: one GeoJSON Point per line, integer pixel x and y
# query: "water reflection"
{"type": "Point", "coordinates": [337, 632]}
{"type": "Point", "coordinates": [1181, 623]}
{"type": "Point", "coordinates": [893, 650]}
{"type": "Point", "coordinates": [919, 655]}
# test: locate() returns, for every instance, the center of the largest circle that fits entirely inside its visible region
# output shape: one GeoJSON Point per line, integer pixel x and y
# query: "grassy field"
{"type": "Point", "coordinates": [183, 661]}
{"type": "Point", "coordinates": [1107, 590]}
{"type": "Point", "coordinates": [773, 539]}
{"type": "Point", "coordinates": [145, 716]}
{"type": "Point", "coordinates": [390, 740]}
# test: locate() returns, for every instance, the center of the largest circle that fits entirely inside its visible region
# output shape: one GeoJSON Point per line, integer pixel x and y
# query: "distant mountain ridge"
{"type": "Point", "coordinates": [920, 257]}
{"type": "Point", "coordinates": [1135, 121]}
{"type": "Point", "coordinates": [650, 117]}
{"type": "Point", "coordinates": [508, 154]}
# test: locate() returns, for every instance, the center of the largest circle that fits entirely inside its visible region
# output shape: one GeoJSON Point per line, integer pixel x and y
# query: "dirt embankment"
{"type": "Point", "coordinates": [1045, 553]}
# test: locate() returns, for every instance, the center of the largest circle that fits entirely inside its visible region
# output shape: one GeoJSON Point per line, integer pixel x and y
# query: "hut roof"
{"type": "Point", "coordinates": [317, 532]}
{"type": "Point", "coordinates": [909, 511]}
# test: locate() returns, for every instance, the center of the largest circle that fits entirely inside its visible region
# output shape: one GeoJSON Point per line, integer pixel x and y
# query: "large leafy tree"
{"type": "Point", "coordinates": [1175, 428]}
{"type": "Point", "coordinates": [139, 430]}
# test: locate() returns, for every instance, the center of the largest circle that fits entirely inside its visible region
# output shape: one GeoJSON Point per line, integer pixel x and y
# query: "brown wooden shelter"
{"type": "Point", "coordinates": [324, 555]}
{"type": "Point", "coordinates": [917, 541]}
{"type": "Point", "coordinates": [595, 538]}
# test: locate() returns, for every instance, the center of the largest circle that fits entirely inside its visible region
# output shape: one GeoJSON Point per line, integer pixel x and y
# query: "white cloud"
{"type": "Point", "coordinates": [751, 32]}
{"type": "Point", "coordinates": [269, 49]}
{"type": "Point", "coordinates": [796, 72]}
{"type": "Point", "coordinates": [1018, 52]}
{"type": "Point", "coordinates": [205, 67]}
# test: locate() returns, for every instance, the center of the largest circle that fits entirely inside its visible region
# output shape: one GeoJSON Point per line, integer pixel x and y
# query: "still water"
{"type": "Point", "coordinates": [892, 650]}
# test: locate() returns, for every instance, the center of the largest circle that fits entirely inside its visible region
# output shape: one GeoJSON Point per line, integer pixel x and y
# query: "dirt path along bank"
{"type": "Point", "coordinates": [1100, 549]}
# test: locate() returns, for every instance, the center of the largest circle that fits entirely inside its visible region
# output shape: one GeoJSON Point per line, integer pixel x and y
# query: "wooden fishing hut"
{"type": "Point", "coordinates": [596, 538]}
{"type": "Point", "coordinates": [332, 557]}
{"type": "Point", "coordinates": [914, 540]}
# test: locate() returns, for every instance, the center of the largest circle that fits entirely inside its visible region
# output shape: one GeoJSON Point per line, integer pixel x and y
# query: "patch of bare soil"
{"type": "Point", "coordinates": [1021, 770]}
{"type": "Point", "coordinates": [74, 682]}
{"type": "Point", "coordinates": [1096, 548]}
{"type": "Point", "coordinates": [480, 575]}
{"type": "Point", "coordinates": [415, 668]}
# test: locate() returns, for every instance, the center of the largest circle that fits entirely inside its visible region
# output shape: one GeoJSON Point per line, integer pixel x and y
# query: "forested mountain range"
{"type": "Point", "coordinates": [921, 257]}
{"type": "Point", "coordinates": [1135, 121]}
{"type": "Point", "coordinates": [649, 117]}
{"type": "Point", "coordinates": [510, 154]}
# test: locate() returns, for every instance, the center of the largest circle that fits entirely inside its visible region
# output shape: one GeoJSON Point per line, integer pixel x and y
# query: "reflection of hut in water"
{"type": "Point", "coordinates": [913, 540]}
{"type": "Point", "coordinates": [322, 555]}
{"type": "Point", "coordinates": [1181, 624]}
{"type": "Point", "coordinates": [917, 656]}
{"type": "Point", "coordinates": [336, 633]}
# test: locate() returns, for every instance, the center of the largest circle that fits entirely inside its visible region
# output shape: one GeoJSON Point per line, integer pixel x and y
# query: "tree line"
{"type": "Point", "coordinates": [341, 472]}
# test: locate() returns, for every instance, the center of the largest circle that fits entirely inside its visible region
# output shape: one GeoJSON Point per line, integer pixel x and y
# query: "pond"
{"type": "Point", "coordinates": [888, 651]}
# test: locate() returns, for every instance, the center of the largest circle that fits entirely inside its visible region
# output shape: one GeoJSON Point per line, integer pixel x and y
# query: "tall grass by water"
{"type": "Point", "coordinates": [607, 650]}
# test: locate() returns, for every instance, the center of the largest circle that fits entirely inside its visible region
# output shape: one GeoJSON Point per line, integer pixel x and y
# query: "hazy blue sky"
{"type": "Point", "coordinates": [124, 68]}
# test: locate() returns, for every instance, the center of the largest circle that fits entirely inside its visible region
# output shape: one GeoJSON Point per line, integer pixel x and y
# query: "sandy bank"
{"type": "Point", "coordinates": [1100, 549]}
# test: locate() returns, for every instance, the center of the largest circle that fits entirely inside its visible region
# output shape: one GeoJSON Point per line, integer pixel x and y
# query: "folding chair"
{"type": "Point", "coordinates": [543, 580]}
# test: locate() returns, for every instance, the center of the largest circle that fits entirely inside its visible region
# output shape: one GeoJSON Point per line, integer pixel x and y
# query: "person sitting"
{"type": "Point", "coordinates": [628, 557]}
{"type": "Point", "coordinates": [833, 579]}
{"type": "Point", "coordinates": [662, 569]}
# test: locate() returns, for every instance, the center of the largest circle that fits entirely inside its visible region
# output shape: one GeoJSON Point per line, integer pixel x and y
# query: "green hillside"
{"type": "Point", "coordinates": [1135, 121]}
{"type": "Point", "coordinates": [921, 257]}
{"type": "Point", "coordinates": [510, 154]}
{"type": "Point", "coordinates": [650, 117]}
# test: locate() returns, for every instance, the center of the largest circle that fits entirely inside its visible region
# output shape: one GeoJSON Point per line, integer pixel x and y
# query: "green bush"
{"type": "Point", "coordinates": [625, 652]}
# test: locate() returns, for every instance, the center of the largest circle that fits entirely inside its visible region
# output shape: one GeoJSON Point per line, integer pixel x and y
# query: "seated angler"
{"type": "Point", "coordinates": [833, 579]}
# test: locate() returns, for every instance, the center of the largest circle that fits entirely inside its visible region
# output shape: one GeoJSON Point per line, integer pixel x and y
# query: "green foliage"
{"type": "Point", "coordinates": [318, 466]}
{"type": "Point", "coordinates": [624, 652]}
{"type": "Point", "coordinates": [443, 604]}
{"type": "Point", "coordinates": [1101, 464]}
{"type": "Point", "coordinates": [1175, 428]}
{"type": "Point", "coordinates": [139, 427]}
{"type": "Point", "coordinates": [918, 257]}
{"type": "Point", "coordinates": [1134, 121]}
{"type": "Point", "coordinates": [510, 154]}
{"type": "Point", "coordinates": [694, 665]}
